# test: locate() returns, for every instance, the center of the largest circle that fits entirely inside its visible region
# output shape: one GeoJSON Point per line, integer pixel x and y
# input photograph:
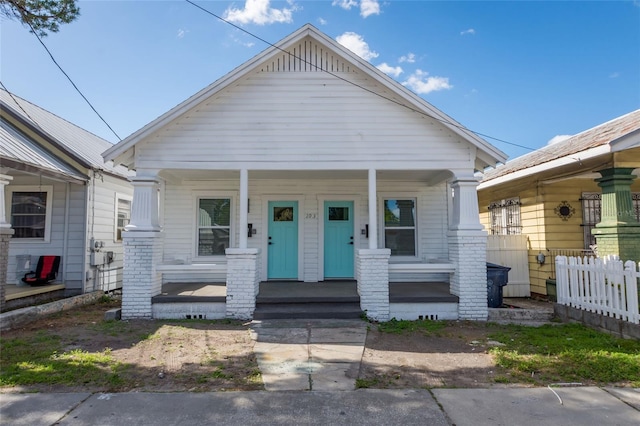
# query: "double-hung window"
{"type": "Point", "coordinates": [214, 226]}
{"type": "Point", "coordinates": [505, 217]}
{"type": "Point", "coordinates": [400, 226]}
{"type": "Point", "coordinates": [123, 215]}
{"type": "Point", "coordinates": [31, 212]}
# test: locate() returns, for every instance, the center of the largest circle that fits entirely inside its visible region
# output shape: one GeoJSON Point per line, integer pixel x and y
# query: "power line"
{"type": "Point", "coordinates": [484, 135]}
{"type": "Point", "coordinates": [71, 81]}
{"type": "Point", "coordinates": [20, 105]}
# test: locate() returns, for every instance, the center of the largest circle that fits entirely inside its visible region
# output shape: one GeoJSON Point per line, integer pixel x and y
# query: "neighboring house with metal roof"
{"type": "Point", "coordinates": [307, 165]}
{"type": "Point", "coordinates": [59, 197]}
{"type": "Point", "coordinates": [558, 194]}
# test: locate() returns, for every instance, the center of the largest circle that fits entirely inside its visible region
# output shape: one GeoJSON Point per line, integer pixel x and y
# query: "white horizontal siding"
{"type": "Point", "coordinates": [71, 266]}
{"type": "Point", "coordinates": [101, 227]}
{"type": "Point", "coordinates": [180, 232]}
{"type": "Point", "coordinates": [304, 117]}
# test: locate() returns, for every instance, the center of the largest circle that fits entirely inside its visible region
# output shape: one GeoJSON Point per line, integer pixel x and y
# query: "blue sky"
{"type": "Point", "coordinates": [523, 72]}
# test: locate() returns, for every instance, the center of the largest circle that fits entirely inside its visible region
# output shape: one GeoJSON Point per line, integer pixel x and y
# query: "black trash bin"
{"type": "Point", "coordinates": [497, 277]}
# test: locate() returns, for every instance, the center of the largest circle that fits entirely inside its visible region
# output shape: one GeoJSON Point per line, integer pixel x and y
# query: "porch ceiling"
{"type": "Point", "coordinates": [393, 175]}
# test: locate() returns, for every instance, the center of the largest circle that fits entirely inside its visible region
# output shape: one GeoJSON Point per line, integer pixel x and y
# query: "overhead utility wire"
{"type": "Point", "coordinates": [19, 104]}
{"type": "Point", "coordinates": [356, 84]}
{"type": "Point", "coordinates": [71, 81]}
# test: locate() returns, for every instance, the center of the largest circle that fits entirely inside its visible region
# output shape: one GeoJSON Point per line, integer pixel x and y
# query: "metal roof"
{"type": "Point", "coordinates": [78, 143]}
{"type": "Point", "coordinates": [604, 134]}
{"type": "Point", "coordinates": [16, 146]}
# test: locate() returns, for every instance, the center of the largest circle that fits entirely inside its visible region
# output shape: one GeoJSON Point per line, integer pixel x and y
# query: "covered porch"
{"type": "Point", "coordinates": [381, 286]}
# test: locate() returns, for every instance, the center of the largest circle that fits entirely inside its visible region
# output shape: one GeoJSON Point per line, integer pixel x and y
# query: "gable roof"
{"type": "Point", "coordinates": [79, 144]}
{"type": "Point", "coordinates": [603, 136]}
{"type": "Point", "coordinates": [487, 154]}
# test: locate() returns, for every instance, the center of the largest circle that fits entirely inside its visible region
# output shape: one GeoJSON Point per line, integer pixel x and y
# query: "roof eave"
{"type": "Point", "coordinates": [549, 165]}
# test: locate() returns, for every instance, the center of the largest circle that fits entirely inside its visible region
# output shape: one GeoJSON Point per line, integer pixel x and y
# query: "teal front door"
{"type": "Point", "coordinates": [282, 249]}
{"type": "Point", "coordinates": [338, 239]}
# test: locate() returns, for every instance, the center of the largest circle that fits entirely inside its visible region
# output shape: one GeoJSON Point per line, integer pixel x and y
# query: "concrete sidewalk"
{"type": "Point", "coordinates": [301, 354]}
{"type": "Point", "coordinates": [461, 407]}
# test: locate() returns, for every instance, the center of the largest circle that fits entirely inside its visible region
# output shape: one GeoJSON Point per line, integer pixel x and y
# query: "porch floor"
{"type": "Point", "coordinates": [21, 296]}
{"type": "Point", "coordinates": [291, 291]}
{"type": "Point", "coordinates": [13, 291]}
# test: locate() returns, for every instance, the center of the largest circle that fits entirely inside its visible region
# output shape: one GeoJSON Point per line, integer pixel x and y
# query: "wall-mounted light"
{"type": "Point", "coordinates": [540, 258]}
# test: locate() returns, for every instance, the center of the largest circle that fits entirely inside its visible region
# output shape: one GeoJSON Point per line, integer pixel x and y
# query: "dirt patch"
{"type": "Point", "coordinates": [159, 356]}
{"type": "Point", "coordinates": [455, 356]}
{"type": "Point", "coordinates": [203, 356]}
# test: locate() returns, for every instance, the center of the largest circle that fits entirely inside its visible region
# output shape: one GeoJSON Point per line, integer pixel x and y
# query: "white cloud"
{"type": "Point", "coordinates": [409, 57]}
{"type": "Point", "coordinates": [355, 43]}
{"type": "Point", "coordinates": [558, 138]}
{"type": "Point", "coordinates": [421, 83]}
{"type": "Point", "coordinates": [469, 31]}
{"type": "Point", "coordinates": [322, 21]}
{"type": "Point", "coordinates": [389, 70]}
{"type": "Point", "coordinates": [369, 7]}
{"type": "Point", "coordinates": [615, 74]}
{"type": "Point", "coordinates": [181, 33]}
{"type": "Point", "coordinates": [345, 4]}
{"type": "Point", "coordinates": [260, 12]}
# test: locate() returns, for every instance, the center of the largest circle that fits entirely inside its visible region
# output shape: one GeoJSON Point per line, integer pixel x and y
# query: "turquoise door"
{"type": "Point", "coordinates": [282, 249]}
{"type": "Point", "coordinates": [338, 239]}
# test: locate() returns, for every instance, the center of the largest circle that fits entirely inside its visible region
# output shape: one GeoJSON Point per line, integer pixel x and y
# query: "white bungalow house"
{"type": "Point", "coordinates": [58, 198]}
{"type": "Point", "coordinates": [304, 165]}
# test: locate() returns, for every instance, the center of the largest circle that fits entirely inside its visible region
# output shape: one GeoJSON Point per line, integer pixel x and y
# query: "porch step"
{"type": "Point", "coordinates": [308, 310]}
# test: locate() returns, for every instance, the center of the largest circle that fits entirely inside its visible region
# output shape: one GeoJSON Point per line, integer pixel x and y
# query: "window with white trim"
{"type": "Point", "coordinates": [505, 217]}
{"type": "Point", "coordinates": [400, 226]}
{"type": "Point", "coordinates": [123, 215]}
{"type": "Point", "coordinates": [213, 226]}
{"type": "Point", "coordinates": [31, 212]}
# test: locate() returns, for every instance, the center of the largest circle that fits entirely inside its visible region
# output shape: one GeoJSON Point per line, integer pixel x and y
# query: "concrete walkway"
{"type": "Point", "coordinates": [320, 355]}
{"type": "Point", "coordinates": [577, 406]}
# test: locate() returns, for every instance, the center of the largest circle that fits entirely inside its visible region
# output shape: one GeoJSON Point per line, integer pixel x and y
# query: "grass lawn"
{"type": "Point", "coordinates": [566, 353]}
{"type": "Point", "coordinates": [77, 350]}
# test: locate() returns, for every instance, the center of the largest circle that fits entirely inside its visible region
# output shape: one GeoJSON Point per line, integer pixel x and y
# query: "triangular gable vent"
{"type": "Point", "coordinates": [307, 55]}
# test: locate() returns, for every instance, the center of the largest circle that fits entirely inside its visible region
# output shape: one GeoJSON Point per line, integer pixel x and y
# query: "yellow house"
{"type": "Point", "coordinates": [554, 197]}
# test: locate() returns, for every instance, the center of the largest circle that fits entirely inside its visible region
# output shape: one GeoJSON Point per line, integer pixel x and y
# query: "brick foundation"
{"type": "Point", "coordinates": [468, 252]}
{"type": "Point", "coordinates": [243, 282]}
{"type": "Point", "coordinates": [373, 282]}
{"type": "Point", "coordinates": [140, 280]}
{"type": "Point", "coordinates": [5, 237]}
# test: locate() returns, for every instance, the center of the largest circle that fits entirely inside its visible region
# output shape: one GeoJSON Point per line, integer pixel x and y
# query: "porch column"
{"type": "Point", "coordinates": [372, 265]}
{"type": "Point", "coordinates": [468, 250]}
{"type": "Point", "coordinates": [243, 280]}
{"type": "Point", "coordinates": [373, 210]}
{"type": "Point", "coordinates": [143, 246]}
{"type": "Point", "coordinates": [618, 232]}
{"type": "Point", "coordinates": [5, 236]}
{"type": "Point", "coordinates": [244, 204]}
{"type": "Point", "coordinates": [5, 180]}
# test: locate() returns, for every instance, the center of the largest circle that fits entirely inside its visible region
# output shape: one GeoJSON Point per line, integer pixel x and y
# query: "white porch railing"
{"type": "Point", "coordinates": [606, 286]}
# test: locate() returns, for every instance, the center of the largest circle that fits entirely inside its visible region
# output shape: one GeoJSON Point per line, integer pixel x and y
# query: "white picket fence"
{"type": "Point", "coordinates": [606, 286]}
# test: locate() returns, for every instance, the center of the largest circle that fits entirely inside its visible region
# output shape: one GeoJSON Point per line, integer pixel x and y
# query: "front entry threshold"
{"type": "Point", "coordinates": [289, 300]}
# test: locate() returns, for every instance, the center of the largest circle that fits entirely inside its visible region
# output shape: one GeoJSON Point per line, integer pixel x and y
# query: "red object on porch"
{"type": "Point", "coordinates": [46, 271]}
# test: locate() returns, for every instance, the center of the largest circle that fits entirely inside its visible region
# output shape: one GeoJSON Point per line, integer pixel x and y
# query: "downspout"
{"type": "Point", "coordinates": [65, 242]}
{"type": "Point", "coordinates": [85, 249]}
